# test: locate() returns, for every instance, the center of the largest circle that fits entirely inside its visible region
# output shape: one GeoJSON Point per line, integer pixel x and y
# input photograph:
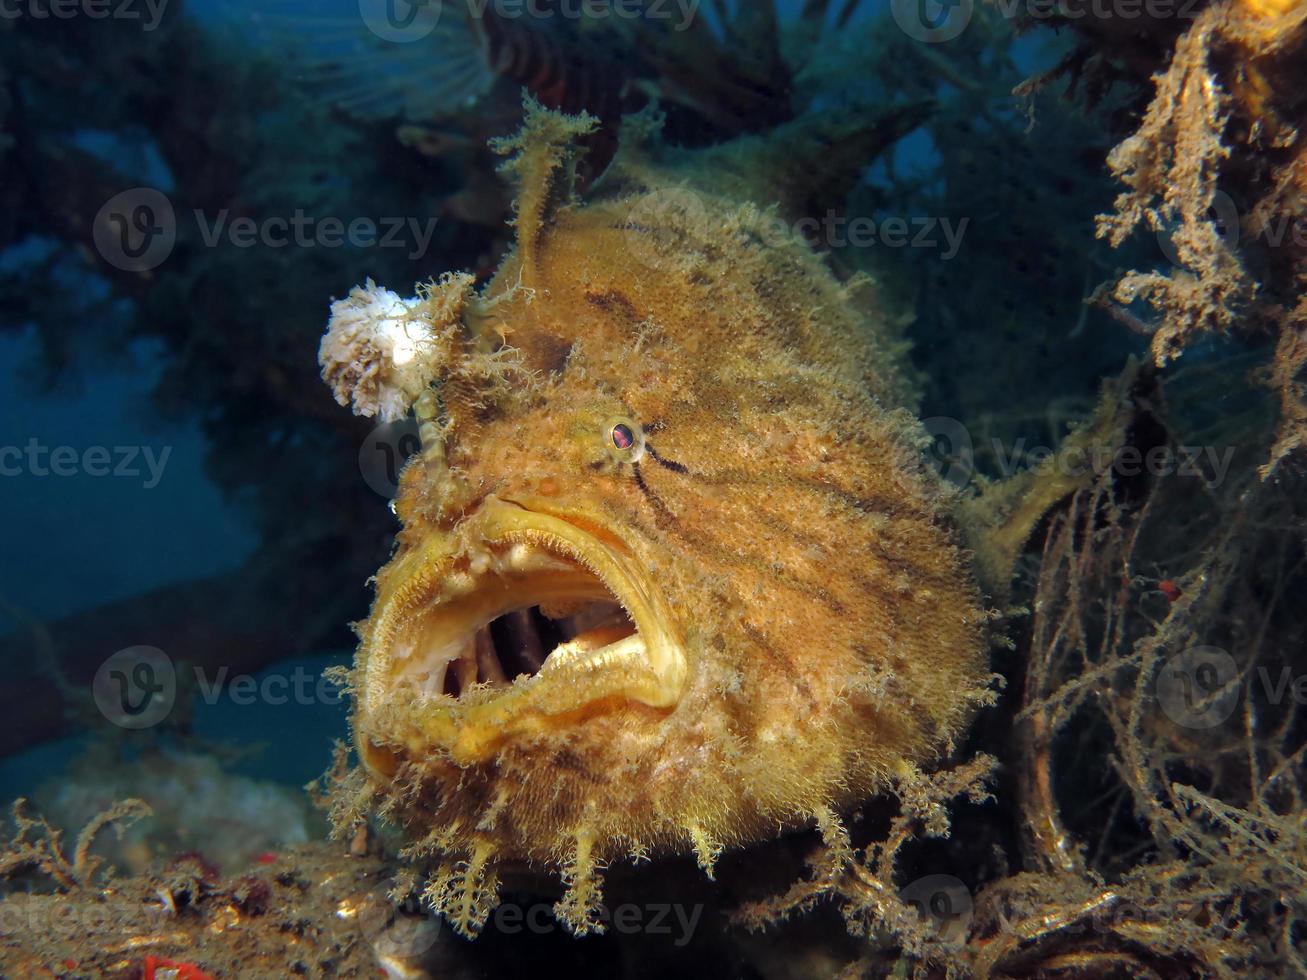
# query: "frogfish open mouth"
{"type": "Point", "coordinates": [672, 575]}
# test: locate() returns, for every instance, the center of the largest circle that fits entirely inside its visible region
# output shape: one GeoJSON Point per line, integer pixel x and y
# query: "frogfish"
{"type": "Point", "coordinates": [672, 573]}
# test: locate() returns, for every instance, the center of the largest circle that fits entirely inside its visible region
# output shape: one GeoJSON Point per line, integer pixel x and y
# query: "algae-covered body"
{"type": "Point", "coordinates": [671, 576]}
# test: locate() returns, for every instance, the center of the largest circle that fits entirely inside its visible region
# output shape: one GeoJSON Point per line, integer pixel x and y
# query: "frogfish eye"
{"type": "Point", "coordinates": [623, 437]}
{"type": "Point", "coordinates": [624, 440]}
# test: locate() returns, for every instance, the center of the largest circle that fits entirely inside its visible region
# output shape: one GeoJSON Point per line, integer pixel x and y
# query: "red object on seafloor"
{"type": "Point", "coordinates": [1169, 589]}
{"type": "Point", "coordinates": [157, 968]}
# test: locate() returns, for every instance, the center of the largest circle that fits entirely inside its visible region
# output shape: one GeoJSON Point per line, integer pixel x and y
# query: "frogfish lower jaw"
{"type": "Point", "coordinates": [519, 622]}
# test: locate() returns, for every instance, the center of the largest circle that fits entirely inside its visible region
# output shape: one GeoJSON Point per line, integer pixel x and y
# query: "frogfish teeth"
{"type": "Point", "coordinates": [671, 576]}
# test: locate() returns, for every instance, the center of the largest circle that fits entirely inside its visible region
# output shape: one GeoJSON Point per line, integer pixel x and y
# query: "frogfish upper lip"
{"type": "Point", "coordinates": [526, 616]}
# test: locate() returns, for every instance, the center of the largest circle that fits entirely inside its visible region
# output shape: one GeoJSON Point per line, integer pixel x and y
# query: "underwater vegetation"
{"type": "Point", "coordinates": [687, 605]}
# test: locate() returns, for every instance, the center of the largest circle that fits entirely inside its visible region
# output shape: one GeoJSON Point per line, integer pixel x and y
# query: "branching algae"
{"type": "Point", "coordinates": [672, 576]}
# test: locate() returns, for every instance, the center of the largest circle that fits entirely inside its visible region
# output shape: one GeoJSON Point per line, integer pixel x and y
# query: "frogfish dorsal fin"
{"type": "Point", "coordinates": [542, 158]}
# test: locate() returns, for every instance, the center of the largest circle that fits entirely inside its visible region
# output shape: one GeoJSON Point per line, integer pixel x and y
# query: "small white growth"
{"type": "Point", "coordinates": [520, 556]}
{"type": "Point", "coordinates": [381, 352]}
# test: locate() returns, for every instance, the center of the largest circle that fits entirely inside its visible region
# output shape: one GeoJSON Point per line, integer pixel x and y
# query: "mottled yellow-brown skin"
{"type": "Point", "coordinates": [790, 551]}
